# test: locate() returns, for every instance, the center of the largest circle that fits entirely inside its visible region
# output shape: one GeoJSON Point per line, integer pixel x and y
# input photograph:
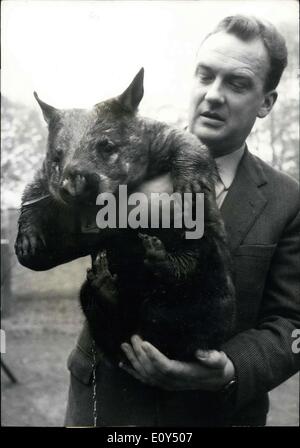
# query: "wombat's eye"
{"type": "Point", "coordinates": [105, 146]}
{"type": "Point", "coordinates": [57, 156]}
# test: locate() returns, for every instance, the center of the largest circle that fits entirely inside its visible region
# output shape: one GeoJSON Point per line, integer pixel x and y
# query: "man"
{"type": "Point", "coordinates": [238, 68]}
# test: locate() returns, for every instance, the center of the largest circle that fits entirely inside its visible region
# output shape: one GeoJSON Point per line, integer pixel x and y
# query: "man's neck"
{"type": "Point", "coordinates": [217, 153]}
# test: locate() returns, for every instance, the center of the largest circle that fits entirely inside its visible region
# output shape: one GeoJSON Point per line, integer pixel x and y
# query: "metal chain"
{"type": "Point", "coordinates": [94, 385]}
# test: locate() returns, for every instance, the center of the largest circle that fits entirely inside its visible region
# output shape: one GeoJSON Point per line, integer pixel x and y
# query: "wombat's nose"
{"type": "Point", "coordinates": [78, 186]}
{"type": "Point", "coordinates": [74, 186]}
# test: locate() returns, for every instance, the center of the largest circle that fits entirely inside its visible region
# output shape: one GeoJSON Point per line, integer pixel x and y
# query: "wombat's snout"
{"type": "Point", "coordinates": [77, 185]}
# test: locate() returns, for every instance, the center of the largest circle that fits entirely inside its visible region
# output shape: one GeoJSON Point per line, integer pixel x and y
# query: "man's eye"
{"type": "Point", "coordinates": [205, 78]}
{"type": "Point", "coordinates": [239, 85]}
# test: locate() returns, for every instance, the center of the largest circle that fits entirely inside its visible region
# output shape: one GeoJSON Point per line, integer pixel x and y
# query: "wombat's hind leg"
{"type": "Point", "coordinates": [169, 266]}
{"type": "Point", "coordinates": [101, 279]}
{"type": "Point", "coordinates": [99, 302]}
{"type": "Point", "coordinates": [157, 259]}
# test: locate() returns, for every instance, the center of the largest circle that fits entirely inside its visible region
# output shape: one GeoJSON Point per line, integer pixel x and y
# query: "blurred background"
{"type": "Point", "coordinates": [75, 54]}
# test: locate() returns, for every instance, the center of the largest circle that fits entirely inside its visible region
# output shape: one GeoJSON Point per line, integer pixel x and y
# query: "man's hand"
{"type": "Point", "coordinates": [210, 372]}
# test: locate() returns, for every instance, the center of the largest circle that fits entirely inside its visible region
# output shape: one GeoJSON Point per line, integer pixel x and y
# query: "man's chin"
{"type": "Point", "coordinates": [208, 136]}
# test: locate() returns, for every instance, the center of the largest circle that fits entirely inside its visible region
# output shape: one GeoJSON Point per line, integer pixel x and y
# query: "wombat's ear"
{"type": "Point", "coordinates": [130, 99]}
{"type": "Point", "coordinates": [49, 112]}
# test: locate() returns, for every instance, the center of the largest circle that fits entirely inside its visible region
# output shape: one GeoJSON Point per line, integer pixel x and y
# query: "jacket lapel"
{"type": "Point", "coordinates": [244, 201]}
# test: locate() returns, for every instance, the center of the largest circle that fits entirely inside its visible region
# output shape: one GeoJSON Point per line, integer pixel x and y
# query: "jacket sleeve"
{"type": "Point", "coordinates": [263, 356]}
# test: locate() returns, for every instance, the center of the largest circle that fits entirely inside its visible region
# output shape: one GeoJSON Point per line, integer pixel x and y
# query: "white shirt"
{"type": "Point", "coordinates": [227, 167]}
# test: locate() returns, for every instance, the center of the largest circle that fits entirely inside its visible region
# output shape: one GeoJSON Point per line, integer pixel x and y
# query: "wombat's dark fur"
{"type": "Point", "coordinates": [191, 304]}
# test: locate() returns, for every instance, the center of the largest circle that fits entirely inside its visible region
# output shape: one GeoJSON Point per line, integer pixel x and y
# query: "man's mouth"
{"type": "Point", "coordinates": [212, 115]}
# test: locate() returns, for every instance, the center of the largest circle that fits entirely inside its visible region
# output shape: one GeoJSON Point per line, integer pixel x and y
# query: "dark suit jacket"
{"type": "Point", "coordinates": [261, 214]}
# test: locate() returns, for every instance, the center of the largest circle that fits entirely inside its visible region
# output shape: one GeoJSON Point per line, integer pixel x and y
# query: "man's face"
{"type": "Point", "coordinates": [228, 91]}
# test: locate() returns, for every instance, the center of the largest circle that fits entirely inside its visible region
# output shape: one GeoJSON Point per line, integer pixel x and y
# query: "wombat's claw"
{"type": "Point", "coordinates": [101, 264]}
{"type": "Point", "coordinates": [150, 242]}
{"type": "Point", "coordinates": [196, 187]}
{"type": "Point", "coordinates": [142, 236]}
{"type": "Point", "coordinates": [29, 244]}
{"type": "Point", "coordinates": [100, 274]}
{"type": "Point", "coordinates": [90, 274]}
{"type": "Point", "coordinates": [190, 186]}
{"type": "Point", "coordinates": [154, 248]}
{"type": "Point", "coordinates": [102, 281]}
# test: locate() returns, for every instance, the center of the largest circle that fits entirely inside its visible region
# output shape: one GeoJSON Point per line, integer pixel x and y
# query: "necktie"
{"type": "Point", "coordinates": [220, 190]}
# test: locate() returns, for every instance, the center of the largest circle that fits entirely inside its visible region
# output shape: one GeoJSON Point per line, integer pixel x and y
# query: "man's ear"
{"type": "Point", "coordinates": [268, 103]}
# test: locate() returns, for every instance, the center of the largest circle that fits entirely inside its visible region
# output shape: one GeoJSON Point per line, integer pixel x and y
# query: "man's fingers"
{"type": "Point", "coordinates": [132, 372]}
{"type": "Point", "coordinates": [132, 357]}
{"type": "Point", "coordinates": [165, 372]}
{"type": "Point", "coordinates": [152, 367]}
{"type": "Point", "coordinates": [212, 358]}
{"type": "Point", "coordinates": [161, 363]}
{"type": "Point", "coordinates": [140, 353]}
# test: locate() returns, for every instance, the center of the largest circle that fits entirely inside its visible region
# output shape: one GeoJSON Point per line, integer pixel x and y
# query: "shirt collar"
{"type": "Point", "coordinates": [227, 165]}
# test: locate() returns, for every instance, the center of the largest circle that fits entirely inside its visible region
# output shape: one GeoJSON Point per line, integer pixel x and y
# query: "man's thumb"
{"type": "Point", "coordinates": [212, 358]}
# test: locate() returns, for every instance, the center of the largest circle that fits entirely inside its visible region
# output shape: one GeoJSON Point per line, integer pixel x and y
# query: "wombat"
{"type": "Point", "coordinates": [176, 293]}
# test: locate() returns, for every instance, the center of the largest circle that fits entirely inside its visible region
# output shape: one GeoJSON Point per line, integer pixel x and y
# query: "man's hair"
{"type": "Point", "coordinates": [248, 28]}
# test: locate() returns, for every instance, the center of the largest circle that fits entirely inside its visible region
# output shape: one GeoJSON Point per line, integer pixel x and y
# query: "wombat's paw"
{"type": "Point", "coordinates": [90, 276]}
{"type": "Point", "coordinates": [29, 243]}
{"type": "Point", "coordinates": [101, 278]}
{"type": "Point", "coordinates": [156, 256]}
{"type": "Point", "coordinates": [154, 248]}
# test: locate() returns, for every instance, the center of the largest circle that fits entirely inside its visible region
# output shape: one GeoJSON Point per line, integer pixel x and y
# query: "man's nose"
{"type": "Point", "coordinates": [215, 93]}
